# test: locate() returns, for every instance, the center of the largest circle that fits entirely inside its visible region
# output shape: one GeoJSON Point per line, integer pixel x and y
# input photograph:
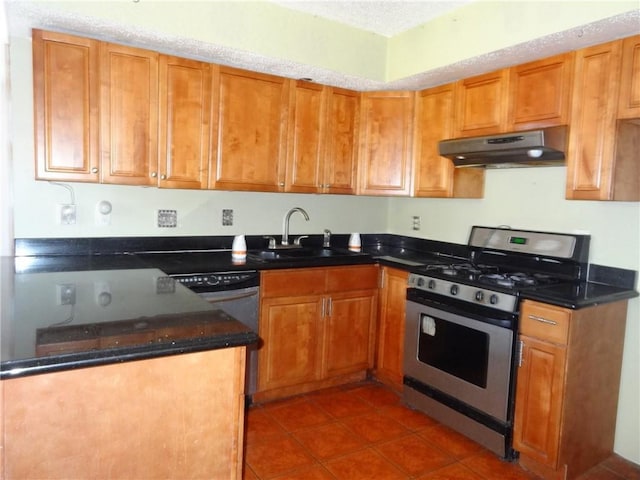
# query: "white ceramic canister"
{"type": "Point", "coordinates": [355, 243]}
{"type": "Point", "coordinates": [239, 248]}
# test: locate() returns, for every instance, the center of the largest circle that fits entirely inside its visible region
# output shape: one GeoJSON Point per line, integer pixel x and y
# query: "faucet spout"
{"type": "Point", "coordinates": [285, 223]}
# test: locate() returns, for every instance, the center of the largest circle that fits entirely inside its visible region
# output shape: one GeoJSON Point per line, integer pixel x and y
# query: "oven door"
{"type": "Point", "coordinates": [468, 360]}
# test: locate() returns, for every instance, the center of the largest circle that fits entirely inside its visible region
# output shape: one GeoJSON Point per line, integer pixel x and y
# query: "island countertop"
{"type": "Point", "coordinates": [60, 320]}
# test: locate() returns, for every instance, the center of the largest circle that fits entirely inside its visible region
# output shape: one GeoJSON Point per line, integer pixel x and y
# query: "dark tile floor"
{"type": "Point", "coordinates": [363, 432]}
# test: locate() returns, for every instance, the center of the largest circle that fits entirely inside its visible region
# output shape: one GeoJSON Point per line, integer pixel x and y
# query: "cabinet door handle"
{"type": "Point", "coordinates": [323, 307]}
{"type": "Point", "coordinates": [542, 320]}
{"type": "Point", "coordinates": [519, 353]}
{"type": "Point", "coordinates": [330, 307]}
{"type": "Point", "coordinates": [154, 174]}
{"type": "Point", "coordinates": [94, 170]}
{"type": "Point", "coordinates": [163, 177]}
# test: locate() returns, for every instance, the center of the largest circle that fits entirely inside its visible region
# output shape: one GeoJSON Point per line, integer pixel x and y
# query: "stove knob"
{"type": "Point", "coordinates": [432, 284]}
{"type": "Point", "coordinates": [420, 282]}
{"type": "Point", "coordinates": [479, 295]}
{"type": "Point", "coordinates": [493, 299]}
{"type": "Point", "coordinates": [454, 289]}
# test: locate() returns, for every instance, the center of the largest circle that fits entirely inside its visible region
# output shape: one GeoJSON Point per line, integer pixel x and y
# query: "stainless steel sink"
{"type": "Point", "coordinates": [293, 254]}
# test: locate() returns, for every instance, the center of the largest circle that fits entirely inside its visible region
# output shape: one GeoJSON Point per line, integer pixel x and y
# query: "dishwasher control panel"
{"type": "Point", "coordinates": [215, 281]}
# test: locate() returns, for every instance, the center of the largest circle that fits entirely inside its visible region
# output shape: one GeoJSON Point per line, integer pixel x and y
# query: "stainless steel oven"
{"type": "Point", "coordinates": [462, 324]}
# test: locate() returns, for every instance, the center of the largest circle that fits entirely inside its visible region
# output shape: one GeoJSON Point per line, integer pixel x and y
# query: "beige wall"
{"type": "Point", "coordinates": [523, 198]}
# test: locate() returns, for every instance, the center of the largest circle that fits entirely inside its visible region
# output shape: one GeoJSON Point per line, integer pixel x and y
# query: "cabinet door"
{"type": "Point", "coordinates": [291, 331]}
{"type": "Point", "coordinates": [129, 115]}
{"type": "Point", "coordinates": [66, 103]}
{"type": "Point", "coordinates": [385, 143]}
{"type": "Point", "coordinates": [539, 397]}
{"type": "Point", "coordinates": [629, 104]}
{"type": "Point", "coordinates": [185, 112]}
{"type": "Point", "coordinates": [590, 157]}
{"type": "Point", "coordinates": [435, 176]}
{"type": "Point", "coordinates": [540, 93]}
{"type": "Point", "coordinates": [306, 142]}
{"type": "Point", "coordinates": [481, 104]}
{"type": "Point", "coordinates": [391, 322]}
{"type": "Point", "coordinates": [250, 125]}
{"type": "Point", "coordinates": [341, 152]}
{"type": "Point", "coordinates": [348, 332]}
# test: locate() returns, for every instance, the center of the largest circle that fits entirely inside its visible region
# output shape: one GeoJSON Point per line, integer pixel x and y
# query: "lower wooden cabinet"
{"type": "Point", "coordinates": [567, 387]}
{"type": "Point", "coordinates": [391, 321]}
{"type": "Point", "coordinates": [316, 326]}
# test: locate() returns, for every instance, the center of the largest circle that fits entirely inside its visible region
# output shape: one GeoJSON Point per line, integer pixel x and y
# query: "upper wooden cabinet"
{"type": "Point", "coordinates": [322, 141]}
{"type": "Point", "coordinates": [481, 108]}
{"type": "Point", "coordinates": [250, 130]}
{"type": "Point", "coordinates": [629, 104]}
{"type": "Point", "coordinates": [66, 106]}
{"type": "Point", "coordinates": [434, 175]}
{"type": "Point", "coordinates": [341, 134]}
{"type": "Point", "coordinates": [386, 126]}
{"type": "Point", "coordinates": [185, 123]}
{"type": "Point", "coordinates": [602, 155]}
{"type": "Point", "coordinates": [540, 93]}
{"type": "Point", "coordinates": [128, 115]}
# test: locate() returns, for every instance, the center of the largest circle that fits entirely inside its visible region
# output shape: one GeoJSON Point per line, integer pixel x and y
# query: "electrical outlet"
{"type": "Point", "coordinates": [416, 223]}
{"type": "Point", "coordinates": [167, 218]}
{"type": "Point", "coordinates": [165, 285]}
{"type": "Point", "coordinates": [66, 214]}
{"type": "Point", "coordinates": [227, 217]}
{"type": "Point", "coordinates": [66, 294]}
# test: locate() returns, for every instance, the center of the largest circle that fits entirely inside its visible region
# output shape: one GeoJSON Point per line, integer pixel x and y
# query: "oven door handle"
{"type": "Point", "coordinates": [217, 298]}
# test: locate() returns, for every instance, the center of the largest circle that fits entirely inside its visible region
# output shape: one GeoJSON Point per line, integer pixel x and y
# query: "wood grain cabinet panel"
{"type": "Point", "coordinates": [185, 123]}
{"type": "Point", "coordinates": [315, 332]}
{"type": "Point", "coordinates": [250, 125]}
{"type": "Point", "coordinates": [602, 160]}
{"type": "Point", "coordinates": [540, 93]}
{"type": "Point", "coordinates": [481, 107]}
{"type": "Point", "coordinates": [391, 322]}
{"type": "Point", "coordinates": [128, 115]}
{"type": "Point", "coordinates": [434, 175]}
{"type": "Point", "coordinates": [385, 159]}
{"type": "Point", "coordinates": [629, 104]}
{"type": "Point", "coordinates": [567, 387]}
{"type": "Point", "coordinates": [66, 107]}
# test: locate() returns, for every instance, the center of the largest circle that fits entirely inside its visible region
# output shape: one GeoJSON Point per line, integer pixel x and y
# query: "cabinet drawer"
{"type": "Point", "coordinates": [545, 322]}
{"type": "Point", "coordinates": [292, 282]}
{"type": "Point", "coordinates": [361, 277]}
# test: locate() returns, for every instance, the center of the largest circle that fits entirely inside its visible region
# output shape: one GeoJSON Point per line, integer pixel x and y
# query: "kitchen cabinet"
{"type": "Point", "coordinates": [316, 326]}
{"type": "Point", "coordinates": [629, 104]}
{"type": "Point", "coordinates": [602, 154]}
{"type": "Point", "coordinates": [567, 386]}
{"type": "Point", "coordinates": [391, 321]}
{"type": "Point", "coordinates": [385, 158]}
{"type": "Point", "coordinates": [165, 418]}
{"type": "Point", "coordinates": [322, 139]}
{"type": "Point", "coordinates": [540, 93]}
{"type": "Point", "coordinates": [128, 115]}
{"type": "Point", "coordinates": [250, 130]}
{"type": "Point", "coordinates": [435, 176]}
{"type": "Point", "coordinates": [66, 107]}
{"type": "Point", "coordinates": [481, 108]}
{"type": "Point", "coordinates": [185, 123]}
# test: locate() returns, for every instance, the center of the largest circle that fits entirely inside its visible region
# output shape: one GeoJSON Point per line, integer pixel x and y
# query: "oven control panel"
{"type": "Point", "coordinates": [468, 293]}
{"type": "Point", "coordinates": [218, 280]}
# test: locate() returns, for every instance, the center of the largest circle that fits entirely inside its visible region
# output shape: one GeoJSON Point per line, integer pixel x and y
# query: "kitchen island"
{"type": "Point", "coordinates": [118, 373]}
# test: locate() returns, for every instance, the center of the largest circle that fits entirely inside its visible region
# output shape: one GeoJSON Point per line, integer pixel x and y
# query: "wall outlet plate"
{"type": "Point", "coordinates": [66, 294]}
{"type": "Point", "coordinates": [66, 214]}
{"type": "Point", "coordinates": [167, 218]}
{"type": "Point", "coordinates": [227, 217]}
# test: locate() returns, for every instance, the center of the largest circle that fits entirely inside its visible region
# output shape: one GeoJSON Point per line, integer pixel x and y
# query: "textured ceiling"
{"type": "Point", "coordinates": [388, 17]}
{"type": "Point", "coordinates": [384, 17]}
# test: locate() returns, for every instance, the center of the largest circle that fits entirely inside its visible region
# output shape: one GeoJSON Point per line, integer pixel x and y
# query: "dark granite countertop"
{"type": "Point", "coordinates": [144, 320]}
{"type": "Point", "coordinates": [116, 315]}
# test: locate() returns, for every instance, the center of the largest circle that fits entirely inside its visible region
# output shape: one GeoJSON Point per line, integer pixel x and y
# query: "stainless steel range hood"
{"type": "Point", "coordinates": [543, 147]}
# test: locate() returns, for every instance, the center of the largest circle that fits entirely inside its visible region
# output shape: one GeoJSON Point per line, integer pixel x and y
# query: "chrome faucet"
{"type": "Point", "coordinates": [285, 223]}
{"type": "Point", "coordinates": [326, 239]}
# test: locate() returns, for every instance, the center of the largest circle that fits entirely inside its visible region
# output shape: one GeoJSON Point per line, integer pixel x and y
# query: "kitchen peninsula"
{"type": "Point", "coordinates": [118, 373]}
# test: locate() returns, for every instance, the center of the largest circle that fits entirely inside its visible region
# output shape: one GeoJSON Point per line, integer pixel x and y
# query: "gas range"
{"type": "Point", "coordinates": [502, 263]}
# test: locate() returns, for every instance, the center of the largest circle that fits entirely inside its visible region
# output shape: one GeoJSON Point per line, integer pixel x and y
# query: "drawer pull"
{"type": "Point", "coordinates": [542, 320]}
